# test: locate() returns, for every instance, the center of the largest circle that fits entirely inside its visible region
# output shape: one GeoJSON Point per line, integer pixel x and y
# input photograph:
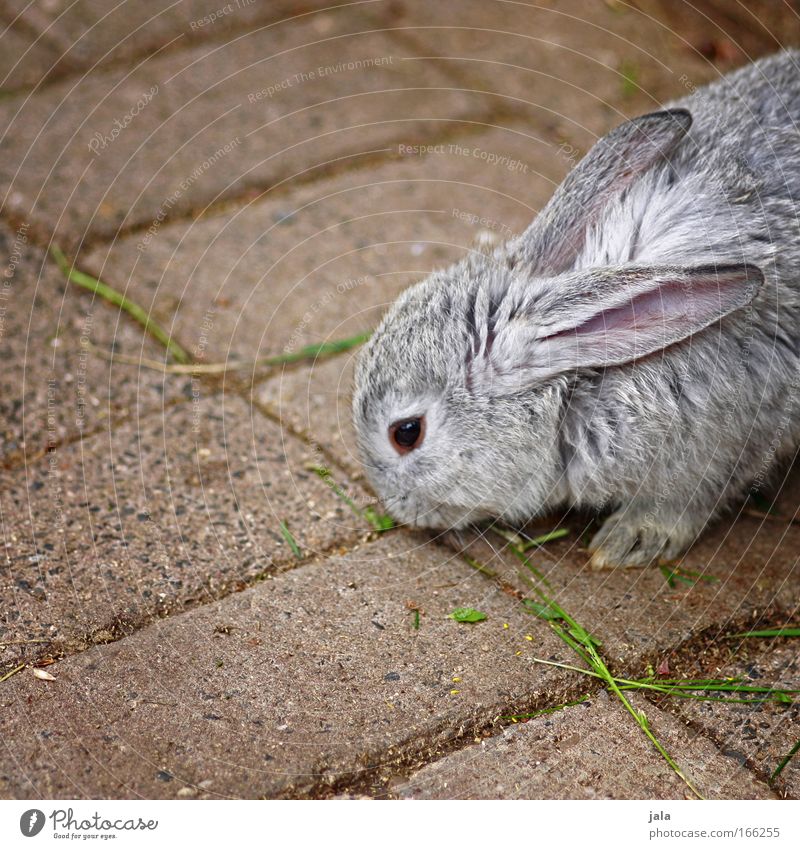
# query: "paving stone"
{"type": "Point", "coordinates": [173, 509]}
{"type": "Point", "coordinates": [725, 33]}
{"type": "Point", "coordinates": [590, 751]}
{"type": "Point", "coordinates": [635, 612]}
{"type": "Point", "coordinates": [757, 735]}
{"type": "Point", "coordinates": [129, 147]}
{"type": "Point", "coordinates": [79, 35]}
{"type": "Point", "coordinates": [312, 678]}
{"type": "Point", "coordinates": [637, 615]}
{"type": "Point", "coordinates": [56, 383]}
{"type": "Point", "coordinates": [579, 68]}
{"type": "Point", "coordinates": [24, 59]}
{"type": "Point", "coordinates": [316, 402]}
{"type": "Point", "coordinates": [588, 66]}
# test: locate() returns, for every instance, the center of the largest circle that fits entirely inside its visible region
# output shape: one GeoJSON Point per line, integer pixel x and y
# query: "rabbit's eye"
{"type": "Point", "coordinates": [407, 434]}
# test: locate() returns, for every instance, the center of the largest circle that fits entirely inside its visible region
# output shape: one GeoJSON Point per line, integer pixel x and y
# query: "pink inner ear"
{"type": "Point", "coordinates": [662, 305]}
{"type": "Point", "coordinates": [666, 313]}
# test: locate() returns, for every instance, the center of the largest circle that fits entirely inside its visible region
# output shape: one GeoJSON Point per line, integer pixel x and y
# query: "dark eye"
{"type": "Point", "coordinates": [407, 434]}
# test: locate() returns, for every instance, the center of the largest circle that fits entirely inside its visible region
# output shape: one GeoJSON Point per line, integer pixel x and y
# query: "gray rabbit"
{"type": "Point", "coordinates": [636, 349]}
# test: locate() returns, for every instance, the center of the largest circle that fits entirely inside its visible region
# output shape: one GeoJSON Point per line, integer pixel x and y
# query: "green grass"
{"type": "Point", "coordinates": [691, 688]}
{"type": "Point", "coordinates": [183, 364]}
{"type": "Point", "coordinates": [290, 540]}
{"type": "Point", "coordinates": [517, 717]}
{"type": "Point", "coordinates": [673, 574]}
{"type": "Point", "coordinates": [558, 533]}
{"type": "Point", "coordinates": [585, 646]}
{"type": "Point", "coordinates": [519, 546]}
{"type": "Point", "coordinates": [103, 290]}
{"type": "Point", "coordinates": [380, 522]}
{"type": "Point", "coordinates": [785, 760]}
{"type": "Point", "coordinates": [767, 632]}
{"type": "Point", "coordinates": [306, 353]}
{"type": "Point", "coordinates": [630, 78]}
{"type": "Point", "coordinates": [478, 567]}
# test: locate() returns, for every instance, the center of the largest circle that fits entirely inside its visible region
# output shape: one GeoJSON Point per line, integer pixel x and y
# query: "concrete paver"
{"type": "Point", "coordinates": [583, 67]}
{"type": "Point", "coordinates": [173, 509]}
{"type": "Point", "coordinates": [751, 566]}
{"type": "Point", "coordinates": [129, 147]}
{"type": "Point", "coordinates": [590, 751]}
{"type": "Point", "coordinates": [57, 381]}
{"type": "Point", "coordinates": [313, 678]}
{"type": "Point", "coordinates": [757, 735]}
{"type": "Point", "coordinates": [76, 36]}
{"type": "Point", "coordinates": [195, 654]}
{"type": "Point", "coordinates": [324, 263]}
{"type": "Point", "coordinates": [24, 59]}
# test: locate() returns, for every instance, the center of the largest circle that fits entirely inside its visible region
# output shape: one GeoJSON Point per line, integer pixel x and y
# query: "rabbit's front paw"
{"type": "Point", "coordinates": [635, 537]}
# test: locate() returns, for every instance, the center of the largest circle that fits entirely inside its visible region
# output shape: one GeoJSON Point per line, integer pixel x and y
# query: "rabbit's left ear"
{"type": "Point", "coordinates": [554, 239]}
{"type": "Point", "coordinates": [605, 317]}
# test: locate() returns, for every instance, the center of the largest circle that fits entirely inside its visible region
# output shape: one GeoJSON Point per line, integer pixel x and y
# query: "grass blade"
{"type": "Point", "coordinates": [478, 567]}
{"type": "Point", "coordinates": [785, 760]}
{"type": "Point", "coordinates": [585, 646]}
{"type": "Point", "coordinates": [290, 540]}
{"type": "Point", "coordinates": [767, 632]}
{"type": "Point", "coordinates": [685, 576]}
{"type": "Point", "coordinates": [516, 717]}
{"type": "Point", "coordinates": [97, 287]}
{"type": "Point", "coordinates": [12, 672]}
{"type": "Point", "coordinates": [379, 521]}
{"type": "Point", "coordinates": [308, 352]}
{"type": "Point", "coordinates": [535, 542]}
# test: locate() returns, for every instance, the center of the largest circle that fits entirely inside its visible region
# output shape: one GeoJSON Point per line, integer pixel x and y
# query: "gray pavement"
{"type": "Point", "coordinates": [218, 618]}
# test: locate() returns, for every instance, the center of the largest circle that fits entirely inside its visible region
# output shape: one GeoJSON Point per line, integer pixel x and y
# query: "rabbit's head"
{"type": "Point", "coordinates": [462, 389]}
{"type": "Point", "coordinates": [439, 447]}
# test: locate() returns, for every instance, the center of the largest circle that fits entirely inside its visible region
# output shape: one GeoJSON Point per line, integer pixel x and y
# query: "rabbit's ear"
{"type": "Point", "coordinates": [552, 242]}
{"type": "Point", "coordinates": [606, 317]}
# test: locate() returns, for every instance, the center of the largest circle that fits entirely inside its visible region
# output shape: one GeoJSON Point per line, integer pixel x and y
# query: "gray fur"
{"type": "Point", "coordinates": [536, 390]}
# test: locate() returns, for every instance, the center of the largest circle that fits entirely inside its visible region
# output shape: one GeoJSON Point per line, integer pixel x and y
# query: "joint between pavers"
{"type": "Point", "coordinates": [758, 774]}
{"type": "Point", "coordinates": [123, 625]}
{"type": "Point", "coordinates": [22, 459]}
{"type": "Point", "coordinates": [400, 761]}
{"type": "Point", "coordinates": [353, 163]}
{"type": "Point", "coordinates": [67, 68]}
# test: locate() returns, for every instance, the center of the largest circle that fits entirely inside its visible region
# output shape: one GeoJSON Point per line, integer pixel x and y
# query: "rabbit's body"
{"type": "Point", "coordinates": [623, 352]}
